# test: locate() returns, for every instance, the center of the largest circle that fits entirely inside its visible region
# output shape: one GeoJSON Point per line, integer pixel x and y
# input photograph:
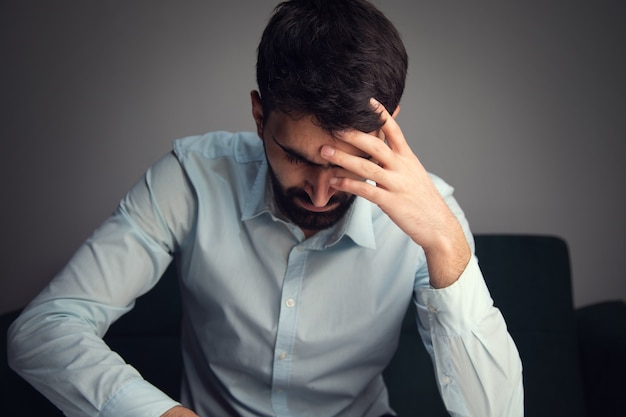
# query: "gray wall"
{"type": "Point", "coordinates": [519, 105]}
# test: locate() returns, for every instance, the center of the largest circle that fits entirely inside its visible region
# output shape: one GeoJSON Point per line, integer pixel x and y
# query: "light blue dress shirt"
{"type": "Point", "coordinates": [274, 324]}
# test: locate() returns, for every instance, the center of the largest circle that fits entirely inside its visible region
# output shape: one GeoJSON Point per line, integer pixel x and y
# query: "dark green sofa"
{"type": "Point", "coordinates": [574, 360]}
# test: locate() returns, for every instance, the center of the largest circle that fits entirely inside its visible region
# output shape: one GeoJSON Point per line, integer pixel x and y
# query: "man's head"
{"type": "Point", "coordinates": [319, 63]}
{"type": "Point", "coordinates": [327, 58]}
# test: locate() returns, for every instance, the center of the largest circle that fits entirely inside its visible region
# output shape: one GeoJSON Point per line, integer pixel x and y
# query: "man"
{"type": "Point", "coordinates": [298, 253]}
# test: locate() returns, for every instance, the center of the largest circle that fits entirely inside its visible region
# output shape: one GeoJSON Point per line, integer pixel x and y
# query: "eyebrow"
{"type": "Point", "coordinates": [297, 155]}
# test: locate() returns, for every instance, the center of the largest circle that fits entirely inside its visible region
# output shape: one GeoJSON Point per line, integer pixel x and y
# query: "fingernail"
{"type": "Point", "coordinates": [333, 181]}
{"type": "Point", "coordinates": [328, 151]}
{"type": "Point", "coordinates": [374, 103]}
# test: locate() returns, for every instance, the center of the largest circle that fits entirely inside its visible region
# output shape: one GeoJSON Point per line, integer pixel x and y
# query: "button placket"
{"type": "Point", "coordinates": [286, 330]}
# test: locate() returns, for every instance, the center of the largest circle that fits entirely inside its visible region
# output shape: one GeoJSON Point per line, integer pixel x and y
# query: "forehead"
{"type": "Point", "coordinates": [304, 135]}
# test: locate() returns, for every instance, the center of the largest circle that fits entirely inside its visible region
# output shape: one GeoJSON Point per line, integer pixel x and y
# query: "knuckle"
{"type": "Point", "coordinates": [363, 189]}
{"type": "Point", "coordinates": [379, 147]}
{"type": "Point", "coordinates": [370, 169]}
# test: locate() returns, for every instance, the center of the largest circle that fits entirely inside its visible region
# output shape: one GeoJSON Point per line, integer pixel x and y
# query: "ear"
{"type": "Point", "coordinates": [396, 112]}
{"type": "Point", "coordinates": [257, 112]}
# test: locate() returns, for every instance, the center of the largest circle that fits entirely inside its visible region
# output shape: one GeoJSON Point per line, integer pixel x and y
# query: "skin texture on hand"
{"type": "Point", "coordinates": [179, 411]}
{"type": "Point", "coordinates": [404, 190]}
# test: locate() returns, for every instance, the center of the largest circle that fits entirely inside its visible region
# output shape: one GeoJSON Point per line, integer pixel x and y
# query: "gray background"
{"type": "Point", "coordinates": [519, 105]}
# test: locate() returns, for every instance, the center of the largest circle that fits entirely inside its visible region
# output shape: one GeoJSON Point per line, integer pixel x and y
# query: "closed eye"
{"type": "Point", "coordinates": [295, 159]}
{"type": "Point", "coordinates": [292, 156]}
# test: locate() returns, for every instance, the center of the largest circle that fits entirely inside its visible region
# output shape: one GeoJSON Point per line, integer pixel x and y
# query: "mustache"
{"type": "Point", "coordinates": [299, 194]}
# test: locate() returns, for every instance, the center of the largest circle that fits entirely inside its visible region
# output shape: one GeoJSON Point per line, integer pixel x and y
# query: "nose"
{"type": "Point", "coordinates": [318, 186]}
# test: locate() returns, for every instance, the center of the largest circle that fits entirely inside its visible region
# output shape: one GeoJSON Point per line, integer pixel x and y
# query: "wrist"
{"type": "Point", "coordinates": [179, 411]}
{"type": "Point", "coordinates": [447, 258]}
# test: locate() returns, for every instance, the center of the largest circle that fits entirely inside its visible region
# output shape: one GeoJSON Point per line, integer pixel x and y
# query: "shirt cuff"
{"type": "Point", "coordinates": [138, 399]}
{"type": "Point", "coordinates": [458, 308]}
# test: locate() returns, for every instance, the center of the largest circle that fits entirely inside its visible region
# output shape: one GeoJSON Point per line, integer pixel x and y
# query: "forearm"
{"type": "Point", "coordinates": [448, 254]}
{"type": "Point", "coordinates": [56, 344]}
{"type": "Point", "coordinates": [449, 244]}
{"type": "Point", "coordinates": [64, 358]}
{"type": "Point", "coordinates": [480, 375]}
{"type": "Point", "coordinates": [477, 365]}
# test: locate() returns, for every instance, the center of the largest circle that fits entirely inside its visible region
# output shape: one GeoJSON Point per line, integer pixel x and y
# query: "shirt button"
{"type": "Point", "coordinates": [445, 380]}
{"type": "Point", "coordinates": [290, 302]}
{"type": "Point", "coordinates": [282, 355]}
{"type": "Point", "coordinates": [431, 308]}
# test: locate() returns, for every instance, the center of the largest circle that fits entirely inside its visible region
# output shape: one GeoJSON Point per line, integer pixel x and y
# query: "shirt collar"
{"type": "Point", "coordinates": [357, 223]}
{"type": "Point", "coordinates": [258, 201]}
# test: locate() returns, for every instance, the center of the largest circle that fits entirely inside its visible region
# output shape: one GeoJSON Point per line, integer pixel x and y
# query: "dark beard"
{"type": "Point", "coordinates": [286, 199]}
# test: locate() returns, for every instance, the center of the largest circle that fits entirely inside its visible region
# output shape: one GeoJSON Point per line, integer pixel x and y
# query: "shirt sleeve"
{"type": "Point", "coordinates": [477, 365]}
{"type": "Point", "coordinates": [56, 343]}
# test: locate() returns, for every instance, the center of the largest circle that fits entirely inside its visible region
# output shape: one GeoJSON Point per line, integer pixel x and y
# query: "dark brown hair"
{"type": "Point", "coordinates": [327, 58]}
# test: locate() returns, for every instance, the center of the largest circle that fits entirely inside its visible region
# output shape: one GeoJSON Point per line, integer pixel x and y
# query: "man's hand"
{"type": "Point", "coordinates": [406, 193]}
{"type": "Point", "coordinates": [179, 411]}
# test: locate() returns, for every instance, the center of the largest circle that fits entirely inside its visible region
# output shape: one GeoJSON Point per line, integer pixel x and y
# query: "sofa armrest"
{"type": "Point", "coordinates": [602, 340]}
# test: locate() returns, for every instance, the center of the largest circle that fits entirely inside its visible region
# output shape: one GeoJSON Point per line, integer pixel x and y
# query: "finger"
{"type": "Point", "coordinates": [359, 166]}
{"type": "Point", "coordinates": [361, 188]}
{"type": "Point", "coordinates": [391, 129]}
{"type": "Point", "coordinates": [373, 146]}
